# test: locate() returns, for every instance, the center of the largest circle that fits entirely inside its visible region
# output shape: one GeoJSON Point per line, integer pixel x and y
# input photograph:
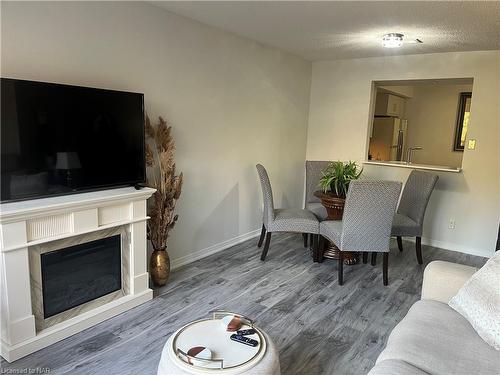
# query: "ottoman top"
{"type": "Point", "coordinates": [228, 356]}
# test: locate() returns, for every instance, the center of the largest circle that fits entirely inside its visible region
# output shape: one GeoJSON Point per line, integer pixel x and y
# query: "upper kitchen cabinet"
{"type": "Point", "coordinates": [389, 105]}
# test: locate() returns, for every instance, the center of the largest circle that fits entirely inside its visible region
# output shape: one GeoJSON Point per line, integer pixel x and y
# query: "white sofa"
{"type": "Point", "coordinates": [433, 339]}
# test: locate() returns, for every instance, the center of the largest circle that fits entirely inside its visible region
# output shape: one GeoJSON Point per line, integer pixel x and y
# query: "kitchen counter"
{"type": "Point", "coordinates": [402, 164]}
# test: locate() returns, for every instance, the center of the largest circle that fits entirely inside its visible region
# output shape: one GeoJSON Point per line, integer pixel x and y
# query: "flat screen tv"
{"type": "Point", "coordinates": [59, 139]}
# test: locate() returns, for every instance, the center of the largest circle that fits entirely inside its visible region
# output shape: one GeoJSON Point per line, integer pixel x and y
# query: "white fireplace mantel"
{"type": "Point", "coordinates": [34, 222]}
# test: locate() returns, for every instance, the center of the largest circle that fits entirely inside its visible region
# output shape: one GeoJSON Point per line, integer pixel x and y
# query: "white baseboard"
{"type": "Point", "coordinates": [176, 263]}
{"type": "Point", "coordinates": [453, 247]}
{"type": "Point", "coordinates": [200, 254]}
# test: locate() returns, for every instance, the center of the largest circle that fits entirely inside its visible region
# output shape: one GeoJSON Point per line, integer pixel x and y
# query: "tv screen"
{"type": "Point", "coordinates": [60, 139]}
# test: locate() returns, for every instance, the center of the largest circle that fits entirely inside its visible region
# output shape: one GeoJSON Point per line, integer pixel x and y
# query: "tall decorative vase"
{"type": "Point", "coordinates": [159, 267]}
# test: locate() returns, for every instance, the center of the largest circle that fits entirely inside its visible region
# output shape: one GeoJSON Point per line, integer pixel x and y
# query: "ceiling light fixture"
{"type": "Point", "coordinates": [392, 40]}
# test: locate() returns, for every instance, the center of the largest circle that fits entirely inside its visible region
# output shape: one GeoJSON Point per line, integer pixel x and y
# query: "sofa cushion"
{"type": "Point", "coordinates": [436, 339]}
{"type": "Point", "coordinates": [442, 280]}
{"type": "Point", "coordinates": [478, 301]}
{"type": "Point", "coordinates": [395, 367]}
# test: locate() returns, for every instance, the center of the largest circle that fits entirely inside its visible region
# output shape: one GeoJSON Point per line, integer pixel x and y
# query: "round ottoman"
{"type": "Point", "coordinates": [209, 333]}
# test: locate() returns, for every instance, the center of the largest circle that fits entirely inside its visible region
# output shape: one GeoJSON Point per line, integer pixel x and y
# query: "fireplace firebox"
{"type": "Point", "coordinates": [78, 274]}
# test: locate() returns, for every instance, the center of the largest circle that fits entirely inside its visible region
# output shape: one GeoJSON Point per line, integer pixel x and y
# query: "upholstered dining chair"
{"type": "Point", "coordinates": [312, 203]}
{"type": "Point", "coordinates": [409, 218]}
{"type": "Point", "coordinates": [281, 220]}
{"type": "Point", "coordinates": [366, 223]}
{"type": "Point", "coordinates": [313, 175]}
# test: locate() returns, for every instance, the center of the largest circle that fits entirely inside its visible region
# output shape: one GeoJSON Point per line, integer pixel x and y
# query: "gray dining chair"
{"type": "Point", "coordinates": [281, 220]}
{"type": "Point", "coordinates": [313, 175]}
{"type": "Point", "coordinates": [409, 218]}
{"type": "Point", "coordinates": [312, 203]}
{"type": "Point", "coordinates": [366, 223]}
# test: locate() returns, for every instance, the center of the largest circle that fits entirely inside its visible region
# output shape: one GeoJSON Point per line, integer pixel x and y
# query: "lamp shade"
{"type": "Point", "coordinates": [67, 160]}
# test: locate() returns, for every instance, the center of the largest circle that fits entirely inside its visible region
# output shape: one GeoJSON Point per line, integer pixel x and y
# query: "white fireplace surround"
{"type": "Point", "coordinates": [26, 224]}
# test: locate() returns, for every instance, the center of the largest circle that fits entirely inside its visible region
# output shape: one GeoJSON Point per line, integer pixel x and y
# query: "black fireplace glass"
{"type": "Point", "coordinates": [81, 273]}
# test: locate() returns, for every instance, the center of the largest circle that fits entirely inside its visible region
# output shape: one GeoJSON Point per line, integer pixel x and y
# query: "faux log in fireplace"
{"type": "Point", "coordinates": [78, 274]}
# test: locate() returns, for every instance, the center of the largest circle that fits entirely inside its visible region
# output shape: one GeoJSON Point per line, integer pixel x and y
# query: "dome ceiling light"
{"type": "Point", "coordinates": [392, 40]}
{"type": "Point", "coordinates": [395, 40]}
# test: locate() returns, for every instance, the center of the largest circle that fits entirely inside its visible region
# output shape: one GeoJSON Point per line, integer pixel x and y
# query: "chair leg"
{"type": "Point", "coordinates": [418, 248]}
{"type": "Point", "coordinates": [321, 248]}
{"type": "Point", "coordinates": [262, 235]}
{"type": "Point", "coordinates": [314, 242]}
{"type": "Point", "coordinates": [365, 257]}
{"type": "Point", "coordinates": [341, 268]}
{"type": "Point", "coordinates": [374, 259]}
{"type": "Point", "coordinates": [266, 246]}
{"type": "Point", "coordinates": [304, 235]}
{"type": "Point", "coordinates": [385, 268]}
{"type": "Point", "coordinates": [400, 243]}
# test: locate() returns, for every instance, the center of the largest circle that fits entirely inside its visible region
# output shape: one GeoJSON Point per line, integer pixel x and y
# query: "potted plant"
{"type": "Point", "coordinates": [337, 176]}
{"type": "Point", "coordinates": [161, 175]}
{"type": "Point", "coordinates": [335, 182]}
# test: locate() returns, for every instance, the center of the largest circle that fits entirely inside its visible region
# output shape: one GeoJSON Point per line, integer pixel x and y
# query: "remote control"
{"type": "Point", "coordinates": [245, 332]}
{"type": "Point", "coordinates": [244, 340]}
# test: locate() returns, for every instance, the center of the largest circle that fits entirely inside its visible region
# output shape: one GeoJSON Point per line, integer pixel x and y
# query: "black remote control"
{"type": "Point", "coordinates": [244, 340]}
{"type": "Point", "coordinates": [246, 332]}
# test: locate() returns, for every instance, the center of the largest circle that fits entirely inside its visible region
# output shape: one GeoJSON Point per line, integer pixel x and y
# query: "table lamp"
{"type": "Point", "coordinates": [68, 161]}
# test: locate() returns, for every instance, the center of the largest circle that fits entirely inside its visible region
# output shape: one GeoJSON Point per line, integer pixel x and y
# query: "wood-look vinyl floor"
{"type": "Point", "coordinates": [318, 326]}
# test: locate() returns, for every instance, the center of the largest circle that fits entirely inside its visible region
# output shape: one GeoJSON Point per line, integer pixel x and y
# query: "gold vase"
{"type": "Point", "coordinates": [159, 267]}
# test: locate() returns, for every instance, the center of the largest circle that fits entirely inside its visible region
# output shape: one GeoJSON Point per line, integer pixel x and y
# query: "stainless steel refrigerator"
{"type": "Point", "coordinates": [388, 138]}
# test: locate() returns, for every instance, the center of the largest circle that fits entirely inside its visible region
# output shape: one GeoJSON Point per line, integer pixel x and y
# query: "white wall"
{"type": "Point", "coordinates": [432, 119]}
{"type": "Point", "coordinates": [232, 102]}
{"type": "Point", "coordinates": [338, 128]}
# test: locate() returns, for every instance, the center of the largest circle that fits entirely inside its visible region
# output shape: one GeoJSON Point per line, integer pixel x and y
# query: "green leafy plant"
{"type": "Point", "coordinates": [337, 176]}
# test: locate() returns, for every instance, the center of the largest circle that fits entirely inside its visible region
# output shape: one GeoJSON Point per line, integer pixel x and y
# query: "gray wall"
{"type": "Point", "coordinates": [232, 102]}
{"type": "Point", "coordinates": [339, 120]}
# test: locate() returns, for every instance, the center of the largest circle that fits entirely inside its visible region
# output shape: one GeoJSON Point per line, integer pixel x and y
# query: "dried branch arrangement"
{"type": "Point", "coordinates": [160, 148]}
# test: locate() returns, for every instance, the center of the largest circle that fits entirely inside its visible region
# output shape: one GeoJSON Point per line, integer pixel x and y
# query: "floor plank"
{"type": "Point", "coordinates": [319, 327]}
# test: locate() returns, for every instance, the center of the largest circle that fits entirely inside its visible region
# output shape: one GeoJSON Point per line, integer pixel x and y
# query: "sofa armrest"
{"type": "Point", "coordinates": [442, 280]}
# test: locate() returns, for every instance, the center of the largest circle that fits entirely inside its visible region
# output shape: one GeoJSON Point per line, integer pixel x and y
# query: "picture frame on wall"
{"type": "Point", "coordinates": [462, 125]}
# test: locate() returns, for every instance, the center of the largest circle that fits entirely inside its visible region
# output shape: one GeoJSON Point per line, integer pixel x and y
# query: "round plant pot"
{"type": "Point", "coordinates": [334, 206]}
{"type": "Point", "coordinates": [159, 267]}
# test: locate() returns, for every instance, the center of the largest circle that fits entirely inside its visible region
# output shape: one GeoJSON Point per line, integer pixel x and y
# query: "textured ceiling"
{"type": "Point", "coordinates": [351, 29]}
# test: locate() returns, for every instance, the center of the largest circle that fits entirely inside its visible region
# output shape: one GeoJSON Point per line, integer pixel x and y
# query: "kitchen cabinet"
{"type": "Point", "coordinates": [389, 105]}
